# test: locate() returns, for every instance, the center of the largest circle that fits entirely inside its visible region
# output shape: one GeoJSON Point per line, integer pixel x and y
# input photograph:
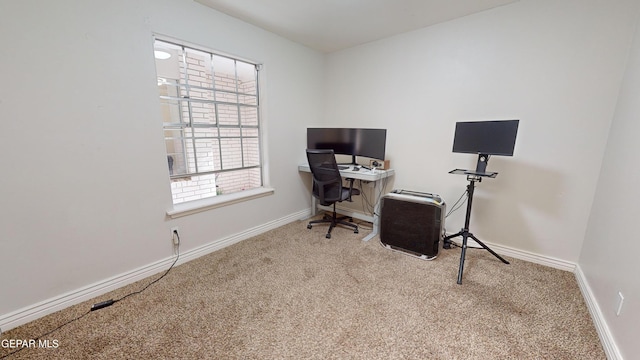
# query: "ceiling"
{"type": "Point", "coordinates": [332, 25]}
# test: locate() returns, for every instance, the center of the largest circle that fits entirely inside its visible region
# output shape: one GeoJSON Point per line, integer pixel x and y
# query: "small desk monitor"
{"type": "Point", "coordinates": [485, 138]}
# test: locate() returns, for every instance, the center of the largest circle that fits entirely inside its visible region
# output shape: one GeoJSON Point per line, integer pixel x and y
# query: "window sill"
{"type": "Point", "coordinates": [197, 206]}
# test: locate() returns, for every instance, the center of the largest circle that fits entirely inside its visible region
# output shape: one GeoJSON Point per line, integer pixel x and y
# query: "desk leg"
{"type": "Point", "coordinates": [376, 211]}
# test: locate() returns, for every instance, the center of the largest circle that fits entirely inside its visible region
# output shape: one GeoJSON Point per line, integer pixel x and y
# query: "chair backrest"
{"type": "Point", "coordinates": [327, 181]}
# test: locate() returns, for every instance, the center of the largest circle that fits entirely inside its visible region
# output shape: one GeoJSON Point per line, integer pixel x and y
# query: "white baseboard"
{"type": "Point", "coordinates": [222, 243]}
{"type": "Point", "coordinates": [608, 343]}
{"type": "Point", "coordinates": [527, 256]}
{"type": "Point", "coordinates": [49, 306]}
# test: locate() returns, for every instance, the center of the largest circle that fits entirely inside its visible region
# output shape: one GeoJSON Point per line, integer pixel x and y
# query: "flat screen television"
{"type": "Point", "coordinates": [370, 143]}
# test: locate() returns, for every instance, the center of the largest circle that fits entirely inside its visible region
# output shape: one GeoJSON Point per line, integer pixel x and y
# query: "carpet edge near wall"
{"type": "Point", "coordinates": [49, 306]}
{"type": "Point", "coordinates": [56, 303]}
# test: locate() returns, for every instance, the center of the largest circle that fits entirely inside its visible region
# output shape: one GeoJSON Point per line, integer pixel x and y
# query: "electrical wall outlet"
{"type": "Point", "coordinates": [175, 235]}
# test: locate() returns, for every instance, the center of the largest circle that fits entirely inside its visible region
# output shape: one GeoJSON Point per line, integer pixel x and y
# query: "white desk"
{"type": "Point", "coordinates": [363, 174]}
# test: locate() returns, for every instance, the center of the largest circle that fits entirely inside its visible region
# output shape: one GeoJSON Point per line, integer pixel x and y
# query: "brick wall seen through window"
{"type": "Point", "coordinates": [210, 111]}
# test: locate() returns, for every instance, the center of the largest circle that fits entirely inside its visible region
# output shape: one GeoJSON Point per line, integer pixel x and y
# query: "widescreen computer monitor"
{"type": "Point", "coordinates": [370, 143]}
{"type": "Point", "coordinates": [486, 137]}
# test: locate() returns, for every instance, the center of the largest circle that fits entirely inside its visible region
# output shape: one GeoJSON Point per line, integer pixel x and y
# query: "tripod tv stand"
{"type": "Point", "coordinates": [472, 177]}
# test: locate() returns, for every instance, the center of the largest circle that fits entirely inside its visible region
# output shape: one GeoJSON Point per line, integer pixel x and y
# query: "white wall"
{"type": "Point", "coordinates": [555, 65]}
{"type": "Point", "coordinates": [609, 258]}
{"type": "Point", "coordinates": [79, 114]}
{"type": "Point", "coordinates": [85, 185]}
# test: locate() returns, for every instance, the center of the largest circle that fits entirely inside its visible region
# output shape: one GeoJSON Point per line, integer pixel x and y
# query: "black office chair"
{"type": "Point", "coordinates": [328, 189]}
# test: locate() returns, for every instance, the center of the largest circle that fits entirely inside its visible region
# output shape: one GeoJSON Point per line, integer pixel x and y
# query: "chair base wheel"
{"type": "Point", "coordinates": [333, 221]}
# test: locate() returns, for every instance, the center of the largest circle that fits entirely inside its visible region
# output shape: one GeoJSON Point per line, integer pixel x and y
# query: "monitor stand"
{"type": "Point", "coordinates": [472, 177]}
{"type": "Point", "coordinates": [354, 163]}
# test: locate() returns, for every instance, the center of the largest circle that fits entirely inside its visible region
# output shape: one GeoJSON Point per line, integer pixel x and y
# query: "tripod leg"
{"type": "Point", "coordinates": [462, 256]}
{"type": "Point", "coordinates": [488, 249]}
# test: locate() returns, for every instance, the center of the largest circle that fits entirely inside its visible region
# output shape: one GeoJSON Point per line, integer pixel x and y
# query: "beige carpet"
{"type": "Point", "coordinates": [292, 294]}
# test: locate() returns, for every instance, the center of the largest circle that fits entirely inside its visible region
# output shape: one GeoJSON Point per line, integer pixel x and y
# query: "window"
{"type": "Point", "coordinates": [210, 115]}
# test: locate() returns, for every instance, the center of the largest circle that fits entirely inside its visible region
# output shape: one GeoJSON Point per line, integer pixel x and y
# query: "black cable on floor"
{"type": "Point", "coordinates": [103, 304]}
